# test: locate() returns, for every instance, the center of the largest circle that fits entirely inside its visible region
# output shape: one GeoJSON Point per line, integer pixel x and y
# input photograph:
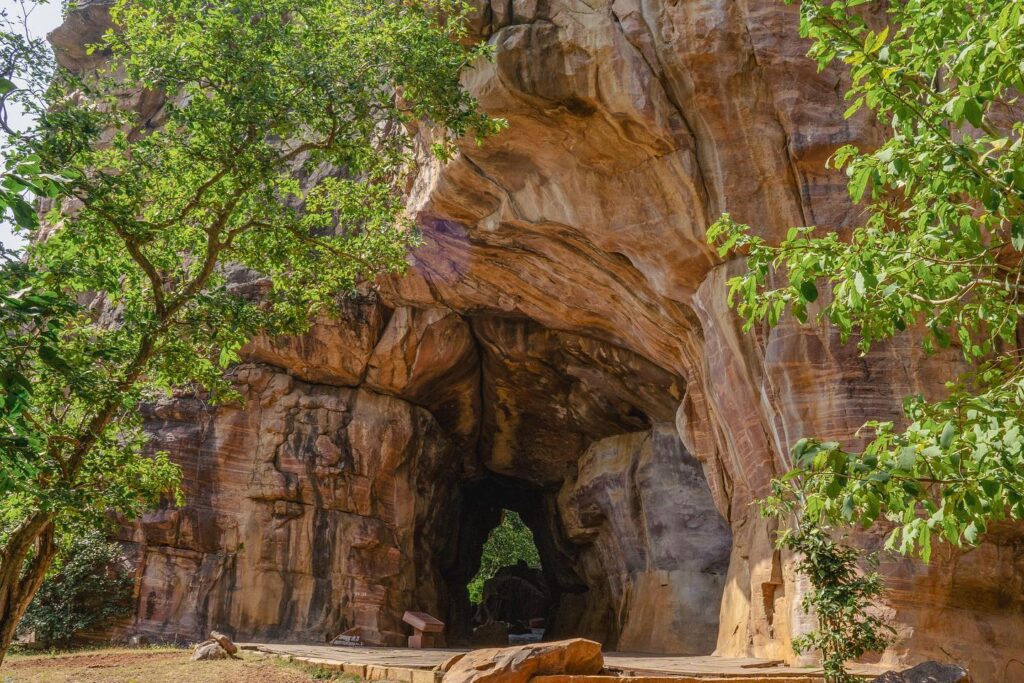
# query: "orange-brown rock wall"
{"type": "Point", "coordinates": [309, 510]}
{"type": "Point", "coordinates": [642, 514]}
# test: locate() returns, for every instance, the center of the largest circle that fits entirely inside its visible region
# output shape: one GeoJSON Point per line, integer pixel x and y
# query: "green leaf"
{"type": "Point", "coordinates": [847, 507]}
{"type": "Point", "coordinates": [853, 108]}
{"type": "Point", "coordinates": [858, 283]}
{"type": "Point", "coordinates": [24, 215]}
{"type": "Point", "coordinates": [907, 459]}
{"type": "Point", "coordinates": [972, 112]}
{"type": "Point", "coordinates": [946, 438]}
{"type": "Point", "coordinates": [925, 542]}
{"type": "Point", "coordinates": [859, 183]}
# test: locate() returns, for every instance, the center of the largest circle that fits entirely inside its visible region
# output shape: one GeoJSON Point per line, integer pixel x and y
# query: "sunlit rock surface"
{"type": "Point", "coordinates": [562, 346]}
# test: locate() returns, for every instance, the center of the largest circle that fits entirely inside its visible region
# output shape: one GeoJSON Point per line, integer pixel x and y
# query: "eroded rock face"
{"type": "Point", "coordinates": [633, 124]}
{"type": "Point", "coordinates": [642, 513]}
{"type": "Point", "coordinates": [310, 511]}
{"type": "Point", "coordinates": [564, 311]}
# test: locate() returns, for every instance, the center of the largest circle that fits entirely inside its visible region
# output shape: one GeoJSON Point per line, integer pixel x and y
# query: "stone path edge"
{"type": "Point", "coordinates": [402, 674]}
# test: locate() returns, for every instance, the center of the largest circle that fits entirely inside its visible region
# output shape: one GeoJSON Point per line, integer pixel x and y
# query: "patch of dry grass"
{"type": "Point", "coordinates": [155, 665]}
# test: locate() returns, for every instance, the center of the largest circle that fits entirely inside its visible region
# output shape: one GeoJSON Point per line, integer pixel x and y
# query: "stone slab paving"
{"type": "Point", "coordinates": [416, 666]}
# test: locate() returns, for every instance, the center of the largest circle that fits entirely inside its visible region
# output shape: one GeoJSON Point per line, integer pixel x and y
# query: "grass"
{"type": "Point", "coordinates": [156, 665]}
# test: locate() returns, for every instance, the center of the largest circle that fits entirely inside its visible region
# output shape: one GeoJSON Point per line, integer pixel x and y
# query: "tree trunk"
{"type": "Point", "coordinates": [18, 582]}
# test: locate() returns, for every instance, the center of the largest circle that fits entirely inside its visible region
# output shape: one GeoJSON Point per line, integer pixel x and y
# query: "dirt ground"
{"type": "Point", "coordinates": [157, 665]}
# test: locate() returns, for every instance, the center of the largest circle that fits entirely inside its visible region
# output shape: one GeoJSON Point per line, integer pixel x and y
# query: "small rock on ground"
{"type": "Point", "coordinates": [209, 650]}
{"type": "Point", "coordinates": [224, 642]}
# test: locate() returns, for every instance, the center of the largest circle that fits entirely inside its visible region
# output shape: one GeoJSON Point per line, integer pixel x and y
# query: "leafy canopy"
{"type": "Point", "coordinates": [938, 255]}
{"type": "Point", "coordinates": [26, 67]}
{"type": "Point", "coordinates": [276, 155]}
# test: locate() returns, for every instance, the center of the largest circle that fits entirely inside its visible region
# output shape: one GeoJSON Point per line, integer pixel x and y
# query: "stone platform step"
{"type": "Point", "coordinates": [404, 665]}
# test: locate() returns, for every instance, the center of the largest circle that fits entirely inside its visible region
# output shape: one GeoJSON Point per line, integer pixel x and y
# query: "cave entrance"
{"type": "Point", "coordinates": [508, 579]}
{"type": "Point", "coordinates": [578, 437]}
{"type": "Point", "coordinates": [632, 552]}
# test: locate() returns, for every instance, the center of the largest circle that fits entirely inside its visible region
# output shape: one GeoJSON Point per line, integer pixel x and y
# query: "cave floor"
{"type": "Point", "coordinates": [416, 666]}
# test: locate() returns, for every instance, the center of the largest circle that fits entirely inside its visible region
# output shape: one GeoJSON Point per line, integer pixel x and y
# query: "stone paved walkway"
{"type": "Point", "coordinates": [413, 666]}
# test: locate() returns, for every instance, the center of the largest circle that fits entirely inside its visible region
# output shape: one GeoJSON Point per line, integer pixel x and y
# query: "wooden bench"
{"type": "Point", "coordinates": [424, 627]}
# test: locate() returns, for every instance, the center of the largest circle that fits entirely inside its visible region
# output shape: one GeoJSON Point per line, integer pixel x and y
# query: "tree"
{"type": "Point", "coordinates": [938, 255]}
{"type": "Point", "coordinates": [508, 543]}
{"type": "Point", "coordinates": [840, 600]}
{"type": "Point", "coordinates": [284, 138]}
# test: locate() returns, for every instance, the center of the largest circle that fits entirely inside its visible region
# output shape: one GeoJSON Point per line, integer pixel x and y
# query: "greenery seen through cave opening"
{"type": "Point", "coordinates": [508, 543]}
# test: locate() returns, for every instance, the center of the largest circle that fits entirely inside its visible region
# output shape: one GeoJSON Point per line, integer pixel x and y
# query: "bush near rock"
{"type": "Point", "coordinates": [927, 672]}
{"type": "Point", "coordinates": [519, 664]}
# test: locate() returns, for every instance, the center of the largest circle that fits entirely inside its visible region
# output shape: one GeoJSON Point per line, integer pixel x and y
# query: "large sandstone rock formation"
{"type": "Point", "coordinates": [562, 346]}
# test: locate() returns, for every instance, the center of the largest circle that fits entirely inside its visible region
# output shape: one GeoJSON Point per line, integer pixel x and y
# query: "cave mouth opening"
{"type": "Point", "coordinates": [632, 552]}
{"type": "Point", "coordinates": [508, 576]}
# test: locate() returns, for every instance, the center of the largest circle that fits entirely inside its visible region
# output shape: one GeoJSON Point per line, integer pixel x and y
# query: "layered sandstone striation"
{"type": "Point", "coordinates": [309, 508]}
{"type": "Point", "coordinates": [562, 346]}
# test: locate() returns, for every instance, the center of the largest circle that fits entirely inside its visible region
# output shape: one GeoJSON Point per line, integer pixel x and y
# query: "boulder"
{"type": "Point", "coordinates": [519, 664]}
{"type": "Point", "coordinates": [447, 664]}
{"type": "Point", "coordinates": [224, 642]}
{"type": "Point", "coordinates": [209, 650]}
{"type": "Point", "coordinates": [927, 672]}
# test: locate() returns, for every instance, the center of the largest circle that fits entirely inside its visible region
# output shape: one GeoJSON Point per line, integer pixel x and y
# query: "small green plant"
{"type": "Point", "coordinates": [90, 588]}
{"type": "Point", "coordinates": [840, 598]}
{"type": "Point", "coordinates": [841, 595]}
{"type": "Point", "coordinates": [509, 542]}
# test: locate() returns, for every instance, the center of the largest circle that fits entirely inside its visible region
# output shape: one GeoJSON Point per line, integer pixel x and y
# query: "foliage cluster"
{"type": "Point", "coordinates": [508, 543]}
{"type": "Point", "coordinates": [91, 587]}
{"type": "Point", "coordinates": [939, 255]}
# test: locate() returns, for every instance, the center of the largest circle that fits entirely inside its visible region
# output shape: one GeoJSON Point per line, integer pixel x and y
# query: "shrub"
{"type": "Point", "coordinates": [90, 588]}
{"type": "Point", "coordinates": [840, 598]}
